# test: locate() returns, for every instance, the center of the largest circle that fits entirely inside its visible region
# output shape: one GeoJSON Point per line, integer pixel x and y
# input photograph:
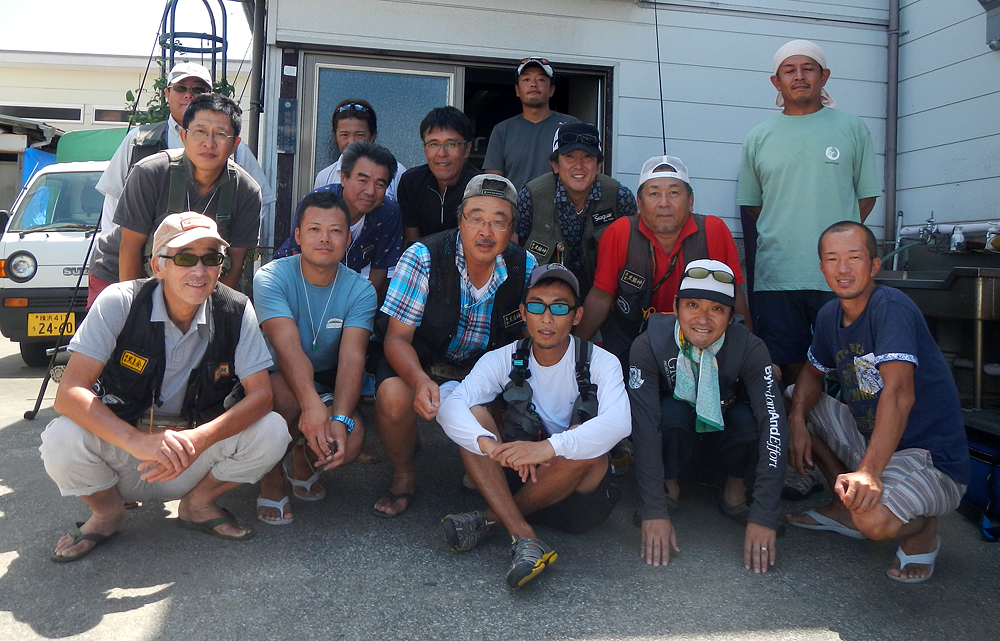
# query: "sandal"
{"type": "Point", "coordinates": [79, 536]}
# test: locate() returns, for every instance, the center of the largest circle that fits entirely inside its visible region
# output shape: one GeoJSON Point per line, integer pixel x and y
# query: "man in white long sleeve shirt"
{"type": "Point", "coordinates": [565, 408]}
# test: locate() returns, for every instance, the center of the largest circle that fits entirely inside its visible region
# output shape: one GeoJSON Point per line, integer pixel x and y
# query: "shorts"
{"type": "Point", "coordinates": [95, 286]}
{"type": "Point", "coordinates": [785, 321]}
{"type": "Point", "coordinates": [440, 370]}
{"type": "Point", "coordinates": [577, 513]}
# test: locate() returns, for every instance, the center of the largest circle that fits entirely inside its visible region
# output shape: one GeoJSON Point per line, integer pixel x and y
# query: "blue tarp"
{"type": "Point", "coordinates": [33, 161]}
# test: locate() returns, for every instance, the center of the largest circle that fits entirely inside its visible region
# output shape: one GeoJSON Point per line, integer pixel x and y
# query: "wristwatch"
{"type": "Point", "coordinates": [346, 420]}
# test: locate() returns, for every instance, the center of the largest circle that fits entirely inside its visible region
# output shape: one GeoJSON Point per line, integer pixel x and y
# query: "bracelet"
{"type": "Point", "coordinates": [346, 420]}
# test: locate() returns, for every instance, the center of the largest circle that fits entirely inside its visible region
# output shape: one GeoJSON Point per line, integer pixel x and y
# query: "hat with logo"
{"type": "Point", "coordinates": [801, 48]}
{"type": "Point", "coordinates": [554, 270]}
{"type": "Point", "coordinates": [708, 279]}
{"type": "Point", "coordinates": [492, 185]}
{"type": "Point", "coordinates": [180, 230]}
{"type": "Point", "coordinates": [650, 171]}
{"type": "Point", "coordinates": [535, 61]}
{"type": "Point", "coordinates": [183, 70]}
{"type": "Point", "coordinates": [577, 135]}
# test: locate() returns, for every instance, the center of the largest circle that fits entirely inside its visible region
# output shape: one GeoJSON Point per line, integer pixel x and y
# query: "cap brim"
{"type": "Point", "coordinates": [573, 146]}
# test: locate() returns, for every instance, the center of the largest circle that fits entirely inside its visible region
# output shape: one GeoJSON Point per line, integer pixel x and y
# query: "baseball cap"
{"type": "Point", "coordinates": [537, 61]}
{"type": "Point", "coordinates": [649, 169]}
{"type": "Point", "coordinates": [801, 48]}
{"type": "Point", "coordinates": [577, 135]}
{"type": "Point", "coordinates": [492, 185]}
{"type": "Point", "coordinates": [702, 280]}
{"type": "Point", "coordinates": [184, 70]}
{"type": "Point", "coordinates": [178, 230]}
{"type": "Point", "coordinates": [554, 270]}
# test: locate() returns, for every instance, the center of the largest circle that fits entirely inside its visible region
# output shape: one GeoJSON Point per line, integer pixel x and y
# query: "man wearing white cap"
{"type": "Point", "coordinates": [640, 259]}
{"type": "Point", "coordinates": [698, 377]}
{"type": "Point", "coordinates": [166, 395]}
{"type": "Point", "coordinates": [519, 147]}
{"type": "Point", "coordinates": [185, 81]}
{"type": "Point", "coordinates": [802, 170]}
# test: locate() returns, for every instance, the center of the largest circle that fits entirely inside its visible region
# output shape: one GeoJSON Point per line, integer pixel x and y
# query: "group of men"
{"type": "Point", "coordinates": [472, 301]}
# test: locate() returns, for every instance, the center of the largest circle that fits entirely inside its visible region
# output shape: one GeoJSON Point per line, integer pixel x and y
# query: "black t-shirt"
{"type": "Point", "coordinates": [422, 205]}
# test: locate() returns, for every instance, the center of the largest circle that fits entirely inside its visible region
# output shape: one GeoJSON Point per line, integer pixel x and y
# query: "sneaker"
{"type": "Point", "coordinates": [528, 558]}
{"type": "Point", "coordinates": [799, 487]}
{"type": "Point", "coordinates": [621, 457]}
{"type": "Point", "coordinates": [465, 531]}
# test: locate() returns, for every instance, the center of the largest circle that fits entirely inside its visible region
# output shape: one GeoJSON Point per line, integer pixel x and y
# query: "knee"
{"type": "Point", "coordinates": [878, 523]}
{"type": "Point", "coordinates": [394, 400]}
{"type": "Point", "coordinates": [271, 435]}
{"type": "Point", "coordinates": [60, 443]}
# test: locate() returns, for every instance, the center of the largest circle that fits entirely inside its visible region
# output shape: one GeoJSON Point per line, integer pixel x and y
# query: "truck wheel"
{"type": "Point", "coordinates": [33, 354]}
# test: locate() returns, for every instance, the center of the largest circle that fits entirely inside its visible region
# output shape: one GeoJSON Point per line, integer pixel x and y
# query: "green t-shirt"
{"type": "Point", "coordinates": [806, 173]}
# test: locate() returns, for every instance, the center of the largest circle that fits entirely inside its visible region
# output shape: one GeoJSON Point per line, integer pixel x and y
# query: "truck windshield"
{"type": "Point", "coordinates": [60, 200]}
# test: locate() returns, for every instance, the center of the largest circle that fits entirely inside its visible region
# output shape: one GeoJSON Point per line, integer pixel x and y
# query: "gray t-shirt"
{"type": "Point", "coordinates": [98, 335]}
{"type": "Point", "coordinates": [145, 198]}
{"type": "Point", "coordinates": [521, 148]}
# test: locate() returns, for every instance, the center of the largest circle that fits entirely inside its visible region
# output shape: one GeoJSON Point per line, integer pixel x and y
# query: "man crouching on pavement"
{"type": "Point", "coordinates": [143, 399]}
{"type": "Point", "coordinates": [565, 408]}
{"type": "Point", "coordinates": [699, 375]}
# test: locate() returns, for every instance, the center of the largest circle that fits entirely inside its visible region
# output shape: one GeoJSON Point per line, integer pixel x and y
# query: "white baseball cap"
{"type": "Point", "coordinates": [184, 70]}
{"type": "Point", "coordinates": [649, 169]}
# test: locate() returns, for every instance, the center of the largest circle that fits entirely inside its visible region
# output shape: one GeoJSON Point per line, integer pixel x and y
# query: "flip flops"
{"type": "Point", "coordinates": [826, 524]}
{"type": "Point", "coordinates": [927, 558]}
{"type": "Point", "coordinates": [79, 536]}
{"type": "Point", "coordinates": [288, 467]}
{"type": "Point", "coordinates": [208, 527]}
{"type": "Point", "coordinates": [277, 505]}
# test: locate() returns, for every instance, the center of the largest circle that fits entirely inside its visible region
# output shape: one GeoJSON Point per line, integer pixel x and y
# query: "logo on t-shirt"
{"type": "Point", "coordinates": [335, 323]}
{"type": "Point", "coordinates": [832, 153]}
{"type": "Point", "coordinates": [866, 371]}
{"type": "Point", "coordinates": [635, 377]}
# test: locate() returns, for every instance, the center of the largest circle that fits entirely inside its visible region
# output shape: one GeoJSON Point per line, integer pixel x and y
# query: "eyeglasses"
{"type": "Point", "coordinates": [196, 90]}
{"type": "Point", "coordinates": [535, 59]}
{"type": "Point", "coordinates": [451, 145]}
{"type": "Point", "coordinates": [479, 223]}
{"type": "Point", "coordinates": [353, 105]}
{"type": "Point", "coordinates": [201, 135]}
{"type": "Point", "coordinates": [587, 139]}
{"type": "Point", "coordinates": [700, 272]}
{"type": "Point", "coordinates": [213, 259]}
{"type": "Point", "coordinates": [557, 309]}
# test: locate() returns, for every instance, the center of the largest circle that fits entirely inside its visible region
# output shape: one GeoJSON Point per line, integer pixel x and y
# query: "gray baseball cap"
{"type": "Point", "coordinates": [492, 185]}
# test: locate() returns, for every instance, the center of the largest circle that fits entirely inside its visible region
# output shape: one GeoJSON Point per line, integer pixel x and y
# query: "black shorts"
{"type": "Point", "coordinates": [785, 321]}
{"type": "Point", "coordinates": [577, 513]}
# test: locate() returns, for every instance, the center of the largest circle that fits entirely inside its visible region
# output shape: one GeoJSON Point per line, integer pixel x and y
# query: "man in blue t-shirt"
{"type": "Point", "coordinates": [895, 454]}
{"type": "Point", "coordinates": [317, 317]}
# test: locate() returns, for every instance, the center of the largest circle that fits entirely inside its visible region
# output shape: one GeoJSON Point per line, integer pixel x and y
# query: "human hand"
{"type": "Point", "coordinates": [759, 548]}
{"type": "Point", "coordinates": [517, 454]}
{"type": "Point", "coordinates": [314, 423]}
{"type": "Point", "coordinates": [658, 538]}
{"type": "Point", "coordinates": [165, 455]}
{"type": "Point", "coordinates": [427, 398]}
{"type": "Point", "coordinates": [336, 437]}
{"type": "Point", "coordinates": [860, 491]}
{"type": "Point", "coordinates": [799, 444]}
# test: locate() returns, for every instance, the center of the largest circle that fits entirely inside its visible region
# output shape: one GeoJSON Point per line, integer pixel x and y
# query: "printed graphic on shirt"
{"type": "Point", "coordinates": [774, 433]}
{"type": "Point", "coordinates": [832, 153]}
{"type": "Point", "coordinates": [335, 323]}
{"type": "Point", "coordinates": [670, 371]}
{"type": "Point", "coordinates": [869, 378]}
{"type": "Point", "coordinates": [635, 377]}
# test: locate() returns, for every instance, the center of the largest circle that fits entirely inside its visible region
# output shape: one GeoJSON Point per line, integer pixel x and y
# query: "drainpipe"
{"type": "Point", "coordinates": [256, 75]}
{"type": "Point", "coordinates": [891, 120]}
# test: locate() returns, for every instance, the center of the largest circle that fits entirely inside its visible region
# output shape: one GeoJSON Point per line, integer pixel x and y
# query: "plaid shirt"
{"type": "Point", "coordinates": [407, 296]}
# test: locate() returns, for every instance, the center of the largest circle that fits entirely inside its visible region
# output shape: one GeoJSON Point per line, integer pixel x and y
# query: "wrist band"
{"type": "Point", "coordinates": [346, 420]}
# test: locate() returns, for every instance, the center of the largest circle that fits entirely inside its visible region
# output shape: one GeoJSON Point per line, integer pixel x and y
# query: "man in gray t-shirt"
{"type": "Point", "coordinates": [519, 147]}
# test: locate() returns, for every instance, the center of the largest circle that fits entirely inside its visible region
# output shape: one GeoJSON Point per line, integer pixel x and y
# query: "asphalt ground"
{"type": "Point", "coordinates": [340, 573]}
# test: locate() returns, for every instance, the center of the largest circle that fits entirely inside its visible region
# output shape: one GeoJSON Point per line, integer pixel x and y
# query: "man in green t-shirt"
{"type": "Point", "coordinates": [802, 170]}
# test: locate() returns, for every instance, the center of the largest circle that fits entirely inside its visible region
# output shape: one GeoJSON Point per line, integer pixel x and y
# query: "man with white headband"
{"type": "Point", "coordinates": [802, 170]}
{"type": "Point", "coordinates": [698, 378]}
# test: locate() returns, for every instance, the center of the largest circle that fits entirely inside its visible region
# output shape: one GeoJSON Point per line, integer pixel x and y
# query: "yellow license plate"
{"type": "Point", "coordinates": [50, 324]}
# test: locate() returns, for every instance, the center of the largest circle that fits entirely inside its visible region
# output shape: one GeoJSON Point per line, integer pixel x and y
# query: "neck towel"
{"type": "Point", "coordinates": [701, 389]}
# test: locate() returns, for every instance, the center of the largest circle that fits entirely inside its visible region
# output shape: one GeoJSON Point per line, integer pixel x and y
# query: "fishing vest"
{"type": "Point", "coordinates": [149, 140]}
{"type": "Point", "coordinates": [130, 382]}
{"type": "Point", "coordinates": [521, 421]}
{"type": "Point", "coordinates": [546, 241]}
{"type": "Point", "coordinates": [635, 287]}
{"type": "Point", "coordinates": [444, 297]}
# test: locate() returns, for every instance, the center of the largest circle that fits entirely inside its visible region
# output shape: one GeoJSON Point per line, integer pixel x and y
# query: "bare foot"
{"type": "Point", "coordinates": [188, 511]}
{"type": "Point", "coordinates": [923, 542]}
{"type": "Point", "coordinates": [272, 487]}
{"type": "Point", "coordinates": [400, 485]}
{"type": "Point", "coordinates": [95, 525]}
{"type": "Point", "coordinates": [835, 511]}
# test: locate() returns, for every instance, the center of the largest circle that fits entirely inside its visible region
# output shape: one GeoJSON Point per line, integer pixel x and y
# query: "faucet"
{"type": "Point", "coordinates": [928, 231]}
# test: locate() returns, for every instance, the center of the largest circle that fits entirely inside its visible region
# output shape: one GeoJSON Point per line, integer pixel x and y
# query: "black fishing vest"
{"type": "Point", "coordinates": [150, 139]}
{"type": "Point", "coordinates": [546, 241]}
{"type": "Point", "coordinates": [130, 382]}
{"type": "Point", "coordinates": [444, 296]}
{"type": "Point", "coordinates": [635, 287]}
{"type": "Point", "coordinates": [521, 421]}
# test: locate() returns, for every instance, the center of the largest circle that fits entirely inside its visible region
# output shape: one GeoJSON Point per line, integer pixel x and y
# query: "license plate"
{"type": "Point", "coordinates": [50, 324]}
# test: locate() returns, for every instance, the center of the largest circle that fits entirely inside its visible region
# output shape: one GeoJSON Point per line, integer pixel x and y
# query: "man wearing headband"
{"type": "Point", "coordinates": [562, 214]}
{"type": "Point", "coordinates": [519, 146]}
{"type": "Point", "coordinates": [802, 170]}
{"type": "Point", "coordinates": [564, 409]}
{"type": "Point", "coordinates": [640, 259]}
{"type": "Point", "coordinates": [165, 396]}
{"type": "Point", "coordinates": [698, 378]}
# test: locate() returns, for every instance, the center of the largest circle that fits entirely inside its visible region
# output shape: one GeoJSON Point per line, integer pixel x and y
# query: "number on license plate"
{"type": "Point", "coordinates": [51, 324]}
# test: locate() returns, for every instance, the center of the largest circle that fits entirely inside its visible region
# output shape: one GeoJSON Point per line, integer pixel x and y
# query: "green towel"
{"type": "Point", "coordinates": [701, 389]}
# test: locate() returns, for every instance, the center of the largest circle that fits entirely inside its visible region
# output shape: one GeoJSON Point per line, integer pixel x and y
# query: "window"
{"type": "Point", "coordinates": [47, 113]}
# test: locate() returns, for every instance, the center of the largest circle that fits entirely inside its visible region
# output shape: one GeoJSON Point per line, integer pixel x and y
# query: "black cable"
{"type": "Point", "coordinates": [142, 84]}
{"type": "Point", "coordinates": [659, 76]}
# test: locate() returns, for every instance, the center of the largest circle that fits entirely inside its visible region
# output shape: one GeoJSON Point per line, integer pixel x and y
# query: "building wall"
{"type": "Point", "coordinates": [715, 61]}
{"type": "Point", "coordinates": [949, 98]}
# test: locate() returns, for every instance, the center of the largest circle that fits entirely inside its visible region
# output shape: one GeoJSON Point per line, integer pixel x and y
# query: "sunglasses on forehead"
{"type": "Point", "coordinates": [352, 106]}
{"type": "Point", "coordinates": [587, 139]}
{"type": "Point", "coordinates": [700, 272]}
{"type": "Point", "coordinates": [535, 59]}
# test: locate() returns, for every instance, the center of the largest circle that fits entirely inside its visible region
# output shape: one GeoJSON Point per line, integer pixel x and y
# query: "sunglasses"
{"type": "Point", "coordinates": [557, 309]}
{"type": "Point", "coordinates": [719, 275]}
{"type": "Point", "coordinates": [196, 90]}
{"type": "Point", "coordinates": [352, 105]}
{"type": "Point", "coordinates": [213, 259]}
{"type": "Point", "coordinates": [535, 59]}
{"type": "Point", "coordinates": [587, 139]}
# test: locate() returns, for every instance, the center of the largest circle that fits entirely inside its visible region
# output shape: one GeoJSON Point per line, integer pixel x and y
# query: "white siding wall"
{"type": "Point", "coordinates": [715, 62]}
{"type": "Point", "coordinates": [949, 101]}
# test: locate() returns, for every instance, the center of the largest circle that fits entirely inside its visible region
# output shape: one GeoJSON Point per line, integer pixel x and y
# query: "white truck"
{"type": "Point", "coordinates": [43, 255]}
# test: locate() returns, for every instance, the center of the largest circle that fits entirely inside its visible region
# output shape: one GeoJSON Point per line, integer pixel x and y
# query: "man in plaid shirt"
{"type": "Point", "coordinates": [474, 279]}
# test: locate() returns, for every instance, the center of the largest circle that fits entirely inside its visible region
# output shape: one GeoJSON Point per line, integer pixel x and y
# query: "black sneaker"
{"type": "Point", "coordinates": [528, 558]}
{"type": "Point", "coordinates": [465, 531]}
{"type": "Point", "coordinates": [799, 487]}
